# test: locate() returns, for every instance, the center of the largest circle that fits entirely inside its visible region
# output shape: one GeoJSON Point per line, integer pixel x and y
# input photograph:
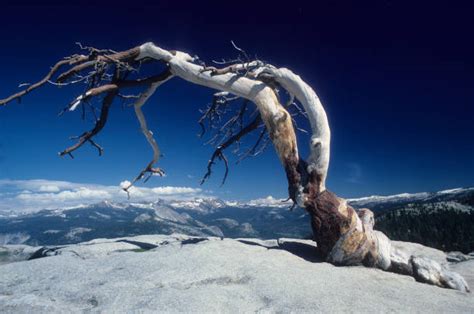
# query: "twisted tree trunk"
{"type": "Point", "coordinates": [343, 235]}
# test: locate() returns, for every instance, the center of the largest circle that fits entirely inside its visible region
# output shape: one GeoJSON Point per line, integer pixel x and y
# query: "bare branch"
{"type": "Point", "coordinates": [218, 153]}
{"type": "Point", "coordinates": [95, 50]}
{"type": "Point", "coordinates": [214, 113]}
{"type": "Point", "coordinates": [99, 125]}
{"type": "Point", "coordinates": [119, 57]}
{"type": "Point", "coordinates": [240, 50]}
{"type": "Point", "coordinates": [252, 152]}
{"type": "Point", "coordinates": [150, 169]}
{"type": "Point", "coordinates": [114, 87]}
{"type": "Point", "coordinates": [99, 148]}
{"type": "Point", "coordinates": [54, 69]}
{"type": "Point", "coordinates": [240, 68]}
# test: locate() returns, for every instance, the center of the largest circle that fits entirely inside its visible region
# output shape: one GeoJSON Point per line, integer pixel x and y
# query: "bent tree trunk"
{"type": "Point", "coordinates": [343, 235]}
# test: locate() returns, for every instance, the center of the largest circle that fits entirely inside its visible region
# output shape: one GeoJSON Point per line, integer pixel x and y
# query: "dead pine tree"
{"type": "Point", "coordinates": [343, 235]}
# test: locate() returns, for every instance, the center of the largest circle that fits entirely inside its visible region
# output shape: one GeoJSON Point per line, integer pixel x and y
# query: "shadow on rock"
{"type": "Point", "coordinates": [302, 250]}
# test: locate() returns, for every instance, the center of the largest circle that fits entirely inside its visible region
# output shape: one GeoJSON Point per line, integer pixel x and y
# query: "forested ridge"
{"type": "Point", "coordinates": [448, 226]}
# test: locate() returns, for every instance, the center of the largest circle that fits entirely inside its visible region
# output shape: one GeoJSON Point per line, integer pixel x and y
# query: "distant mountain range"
{"type": "Point", "coordinates": [409, 217]}
{"type": "Point", "coordinates": [380, 203]}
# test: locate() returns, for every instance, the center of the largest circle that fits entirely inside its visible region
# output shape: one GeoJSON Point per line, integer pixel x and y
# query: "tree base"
{"type": "Point", "coordinates": [346, 237]}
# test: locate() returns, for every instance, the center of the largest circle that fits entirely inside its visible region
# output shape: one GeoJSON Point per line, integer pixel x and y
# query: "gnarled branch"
{"type": "Point", "coordinates": [218, 153]}
{"type": "Point", "coordinates": [99, 125]}
{"type": "Point", "coordinates": [44, 80]}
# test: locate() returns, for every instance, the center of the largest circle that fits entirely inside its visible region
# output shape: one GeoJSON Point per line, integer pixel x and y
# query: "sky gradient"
{"type": "Point", "coordinates": [396, 79]}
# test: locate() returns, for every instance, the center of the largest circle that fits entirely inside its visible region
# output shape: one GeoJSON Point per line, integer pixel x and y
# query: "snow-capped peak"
{"type": "Point", "coordinates": [380, 198]}
{"type": "Point", "coordinates": [406, 197]}
{"type": "Point", "coordinates": [270, 201]}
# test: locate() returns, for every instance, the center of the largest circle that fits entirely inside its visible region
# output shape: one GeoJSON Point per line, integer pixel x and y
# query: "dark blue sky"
{"type": "Point", "coordinates": [396, 78]}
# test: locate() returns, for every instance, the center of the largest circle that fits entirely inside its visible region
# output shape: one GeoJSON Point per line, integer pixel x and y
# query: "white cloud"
{"type": "Point", "coordinates": [270, 201]}
{"type": "Point", "coordinates": [49, 188]}
{"type": "Point", "coordinates": [170, 190]}
{"type": "Point", "coordinates": [32, 195]}
{"type": "Point", "coordinates": [82, 193]}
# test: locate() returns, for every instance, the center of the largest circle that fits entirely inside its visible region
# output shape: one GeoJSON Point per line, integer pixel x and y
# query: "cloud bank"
{"type": "Point", "coordinates": [22, 196]}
